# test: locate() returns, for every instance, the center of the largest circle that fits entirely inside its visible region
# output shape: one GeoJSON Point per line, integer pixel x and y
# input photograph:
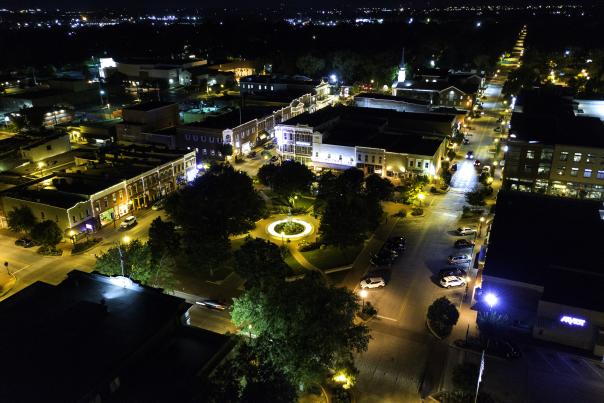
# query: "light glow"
{"type": "Point", "coordinates": [569, 320]}
{"type": "Point", "coordinates": [491, 299]}
{"type": "Point", "coordinates": [307, 229]}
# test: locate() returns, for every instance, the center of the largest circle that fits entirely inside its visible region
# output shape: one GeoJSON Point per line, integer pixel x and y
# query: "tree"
{"type": "Point", "coordinates": [259, 262]}
{"type": "Point", "coordinates": [226, 149]}
{"type": "Point", "coordinates": [310, 65]}
{"type": "Point", "coordinates": [292, 177]}
{"type": "Point", "coordinates": [266, 174]}
{"type": "Point", "coordinates": [47, 233]}
{"type": "Point", "coordinates": [304, 327]}
{"type": "Point", "coordinates": [163, 239]}
{"type": "Point", "coordinates": [442, 316]}
{"type": "Point", "coordinates": [378, 187]}
{"type": "Point", "coordinates": [476, 197]}
{"type": "Point", "coordinates": [21, 219]}
{"type": "Point", "coordinates": [138, 264]}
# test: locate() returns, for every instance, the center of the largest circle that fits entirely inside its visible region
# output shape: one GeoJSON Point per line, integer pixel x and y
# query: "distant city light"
{"type": "Point", "coordinates": [478, 24]}
{"type": "Point", "coordinates": [333, 78]}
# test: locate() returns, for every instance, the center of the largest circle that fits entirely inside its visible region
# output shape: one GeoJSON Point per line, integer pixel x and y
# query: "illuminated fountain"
{"type": "Point", "coordinates": [290, 228]}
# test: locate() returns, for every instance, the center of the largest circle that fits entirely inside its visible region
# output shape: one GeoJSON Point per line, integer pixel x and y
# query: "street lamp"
{"type": "Point", "coordinates": [249, 330]}
{"type": "Point", "coordinates": [421, 198]}
{"type": "Point", "coordinates": [482, 219]}
{"type": "Point", "coordinates": [72, 236]}
{"type": "Point", "coordinates": [282, 238]}
{"type": "Point", "coordinates": [363, 295]}
{"type": "Point", "coordinates": [126, 239]}
{"type": "Point", "coordinates": [491, 300]}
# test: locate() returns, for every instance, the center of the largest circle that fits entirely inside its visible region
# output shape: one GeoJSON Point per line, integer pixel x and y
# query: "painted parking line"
{"type": "Point", "coordinates": [387, 318]}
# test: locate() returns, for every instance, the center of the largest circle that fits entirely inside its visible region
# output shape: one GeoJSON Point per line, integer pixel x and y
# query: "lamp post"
{"type": "Point", "coordinates": [126, 241]}
{"type": "Point", "coordinates": [72, 236]}
{"type": "Point", "coordinates": [282, 238]}
{"type": "Point", "coordinates": [482, 220]}
{"type": "Point", "coordinates": [249, 330]}
{"type": "Point", "coordinates": [363, 295]}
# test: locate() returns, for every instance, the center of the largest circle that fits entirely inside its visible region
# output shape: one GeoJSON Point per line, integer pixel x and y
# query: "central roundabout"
{"type": "Point", "coordinates": [290, 228]}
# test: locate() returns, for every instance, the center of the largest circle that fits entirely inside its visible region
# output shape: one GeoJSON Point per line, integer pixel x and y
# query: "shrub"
{"type": "Point", "coordinates": [402, 213]}
{"type": "Point", "coordinates": [305, 246]}
{"type": "Point", "coordinates": [442, 315]}
{"type": "Point", "coordinates": [82, 246]}
{"type": "Point", "coordinates": [369, 310]}
{"type": "Point", "coordinates": [417, 211]}
{"type": "Point", "coordinates": [49, 251]}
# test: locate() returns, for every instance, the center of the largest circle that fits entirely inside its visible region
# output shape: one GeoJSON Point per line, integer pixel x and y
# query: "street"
{"type": "Point", "coordinates": [395, 364]}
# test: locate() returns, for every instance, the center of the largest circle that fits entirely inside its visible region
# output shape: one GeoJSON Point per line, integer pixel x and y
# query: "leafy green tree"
{"type": "Point", "coordinates": [378, 187]}
{"type": "Point", "coordinates": [292, 177]}
{"type": "Point", "coordinates": [476, 197]}
{"type": "Point", "coordinates": [47, 233]}
{"type": "Point", "coordinates": [443, 315]}
{"type": "Point", "coordinates": [266, 174]}
{"type": "Point", "coordinates": [260, 262]}
{"type": "Point", "coordinates": [226, 149]}
{"type": "Point", "coordinates": [21, 219]}
{"type": "Point", "coordinates": [138, 265]}
{"type": "Point", "coordinates": [304, 327]}
{"type": "Point", "coordinates": [163, 239]}
{"type": "Point", "coordinates": [310, 65]}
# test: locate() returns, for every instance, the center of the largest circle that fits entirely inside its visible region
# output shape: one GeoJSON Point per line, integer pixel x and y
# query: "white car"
{"type": "Point", "coordinates": [465, 231]}
{"type": "Point", "coordinates": [128, 222]}
{"type": "Point", "coordinates": [452, 281]}
{"type": "Point", "coordinates": [460, 259]}
{"type": "Point", "coordinates": [373, 282]}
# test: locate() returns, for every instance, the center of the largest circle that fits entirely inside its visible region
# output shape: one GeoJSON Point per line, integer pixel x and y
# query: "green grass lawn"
{"type": "Point", "coordinates": [331, 257]}
{"type": "Point", "coordinates": [295, 266]}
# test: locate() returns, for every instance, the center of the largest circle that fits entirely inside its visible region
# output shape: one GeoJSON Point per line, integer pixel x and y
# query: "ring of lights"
{"type": "Point", "coordinates": [307, 229]}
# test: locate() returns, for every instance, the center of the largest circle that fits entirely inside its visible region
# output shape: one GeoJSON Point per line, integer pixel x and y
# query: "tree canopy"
{"type": "Point", "coordinates": [47, 233]}
{"type": "Point", "coordinates": [443, 315]}
{"type": "Point", "coordinates": [304, 327]}
{"type": "Point", "coordinates": [21, 219]}
{"type": "Point", "coordinates": [163, 239]}
{"type": "Point", "coordinates": [288, 178]}
{"type": "Point", "coordinates": [259, 261]}
{"type": "Point", "coordinates": [138, 265]}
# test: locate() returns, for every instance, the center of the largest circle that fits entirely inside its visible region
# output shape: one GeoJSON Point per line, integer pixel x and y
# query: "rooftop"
{"type": "Point", "coordinates": [569, 268]}
{"type": "Point", "coordinates": [558, 129]}
{"type": "Point", "coordinates": [235, 118]}
{"type": "Point", "coordinates": [375, 95]}
{"type": "Point", "coordinates": [78, 335]}
{"type": "Point", "coordinates": [49, 197]}
{"type": "Point", "coordinates": [276, 79]}
{"type": "Point", "coordinates": [148, 106]}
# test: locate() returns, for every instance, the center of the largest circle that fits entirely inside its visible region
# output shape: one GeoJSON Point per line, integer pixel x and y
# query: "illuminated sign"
{"type": "Point", "coordinates": [569, 320]}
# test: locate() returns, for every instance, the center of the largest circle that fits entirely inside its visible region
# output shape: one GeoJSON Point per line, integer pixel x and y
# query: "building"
{"type": "Point", "coordinates": [386, 142]}
{"type": "Point", "coordinates": [400, 104]}
{"type": "Point", "coordinates": [94, 193]}
{"type": "Point", "coordinates": [240, 68]}
{"type": "Point", "coordinates": [549, 285]}
{"type": "Point", "coordinates": [46, 147]}
{"type": "Point", "coordinates": [169, 74]}
{"type": "Point", "coordinates": [144, 117]}
{"type": "Point", "coordinates": [438, 87]}
{"type": "Point", "coordinates": [94, 338]}
{"type": "Point", "coordinates": [552, 151]}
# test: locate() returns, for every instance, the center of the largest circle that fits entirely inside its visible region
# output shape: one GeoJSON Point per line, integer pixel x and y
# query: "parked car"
{"type": "Point", "coordinates": [395, 244]}
{"type": "Point", "coordinates": [463, 244]}
{"type": "Point", "coordinates": [466, 140]}
{"type": "Point", "coordinates": [470, 155]}
{"type": "Point", "coordinates": [497, 129]}
{"type": "Point", "coordinates": [372, 282]}
{"type": "Point", "coordinates": [459, 259]}
{"type": "Point", "coordinates": [130, 221]}
{"type": "Point", "coordinates": [454, 167]}
{"type": "Point", "coordinates": [465, 231]}
{"type": "Point", "coordinates": [274, 159]}
{"type": "Point", "coordinates": [24, 242]}
{"type": "Point", "coordinates": [212, 304]}
{"type": "Point", "coordinates": [382, 258]}
{"type": "Point", "coordinates": [452, 271]}
{"type": "Point", "coordinates": [477, 163]}
{"type": "Point", "coordinates": [252, 154]}
{"type": "Point", "coordinates": [452, 281]}
{"type": "Point", "coordinates": [269, 145]}
{"type": "Point", "coordinates": [503, 348]}
{"type": "Point", "coordinates": [159, 205]}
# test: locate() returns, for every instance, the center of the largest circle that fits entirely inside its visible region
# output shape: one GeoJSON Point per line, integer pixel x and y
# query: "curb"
{"type": "Point", "coordinates": [432, 331]}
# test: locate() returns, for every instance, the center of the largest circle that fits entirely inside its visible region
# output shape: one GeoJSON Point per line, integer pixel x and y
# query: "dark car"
{"type": "Point", "coordinates": [477, 163]}
{"type": "Point", "coordinates": [252, 154]}
{"type": "Point", "coordinates": [470, 155]}
{"type": "Point", "coordinates": [396, 244]}
{"type": "Point", "coordinates": [466, 141]}
{"type": "Point", "coordinates": [212, 304]}
{"type": "Point", "coordinates": [463, 244]}
{"type": "Point", "coordinates": [452, 272]}
{"type": "Point", "coordinates": [274, 159]}
{"type": "Point", "coordinates": [269, 146]}
{"type": "Point", "coordinates": [26, 243]}
{"type": "Point", "coordinates": [454, 167]}
{"type": "Point", "coordinates": [504, 349]}
{"type": "Point", "coordinates": [382, 258]}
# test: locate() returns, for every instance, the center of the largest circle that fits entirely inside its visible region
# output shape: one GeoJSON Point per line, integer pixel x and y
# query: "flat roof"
{"type": "Point", "coordinates": [551, 242]}
{"type": "Point", "coordinates": [234, 118]}
{"type": "Point", "coordinates": [49, 197]}
{"type": "Point", "coordinates": [70, 338]}
{"type": "Point", "coordinates": [148, 106]}
{"type": "Point", "coordinates": [375, 95]}
{"type": "Point", "coordinates": [276, 79]}
{"type": "Point", "coordinates": [558, 129]}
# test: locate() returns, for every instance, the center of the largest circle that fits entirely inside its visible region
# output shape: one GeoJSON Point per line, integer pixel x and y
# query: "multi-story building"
{"type": "Point", "coordinates": [94, 193]}
{"type": "Point", "coordinates": [145, 117]}
{"type": "Point", "coordinates": [386, 142]}
{"type": "Point", "coordinates": [554, 152]}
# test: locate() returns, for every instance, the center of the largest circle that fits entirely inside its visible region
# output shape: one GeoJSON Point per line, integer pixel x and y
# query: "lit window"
{"type": "Point", "coordinates": [561, 170]}
{"type": "Point", "coordinates": [577, 157]}
{"type": "Point", "coordinates": [600, 175]}
{"type": "Point", "coordinates": [543, 169]}
{"type": "Point", "coordinates": [574, 171]}
{"type": "Point", "coordinates": [546, 154]}
{"type": "Point", "coordinates": [530, 154]}
{"type": "Point", "coordinates": [589, 158]}
{"type": "Point", "coordinates": [587, 173]}
{"type": "Point", "coordinates": [563, 156]}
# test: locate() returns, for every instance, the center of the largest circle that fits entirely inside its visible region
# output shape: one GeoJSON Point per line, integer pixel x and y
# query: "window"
{"type": "Point", "coordinates": [380, 160]}
{"type": "Point", "coordinates": [359, 157]}
{"type": "Point", "coordinates": [340, 157]}
{"type": "Point", "coordinates": [366, 158]}
{"type": "Point", "coordinates": [426, 165]}
{"type": "Point", "coordinates": [590, 158]}
{"type": "Point", "coordinates": [317, 155]}
{"type": "Point", "coordinates": [528, 168]}
{"type": "Point", "coordinates": [600, 175]}
{"type": "Point", "coordinates": [411, 163]}
{"type": "Point", "coordinates": [574, 171]}
{"type": "Point", "coordinates": [561, 170]}
{"type": "Point", "coordinates": [587, 173]}
{"type": "Point", "coordinates": [106, 201]}
{"type": "Point", "coordinates": [121, 196]}
{"type": "Point", "coordinates": [419, 164]}
{"type": "Point", "coordinates": [42, 214]}
{"type": "Point", "coordinates": [114, 197]}
{"type": "Point", "coordinates": [543, 169]}
{"type": "Point", "coordinates": [563, 156]}
{"type": "Point", "coordinates": [373, 159]}
{"type": "Point", "coordinates": [530, 154]}
{"type": "Point", "coordinates": [577, 157]}
{"type": "Point", "coordinates": [328, 156]}
{"type": "Point", "coordinates": [546, 154]}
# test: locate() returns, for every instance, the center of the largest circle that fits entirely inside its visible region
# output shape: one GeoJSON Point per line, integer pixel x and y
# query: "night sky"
{"type": "Point", "coordinates": [148, 4]}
